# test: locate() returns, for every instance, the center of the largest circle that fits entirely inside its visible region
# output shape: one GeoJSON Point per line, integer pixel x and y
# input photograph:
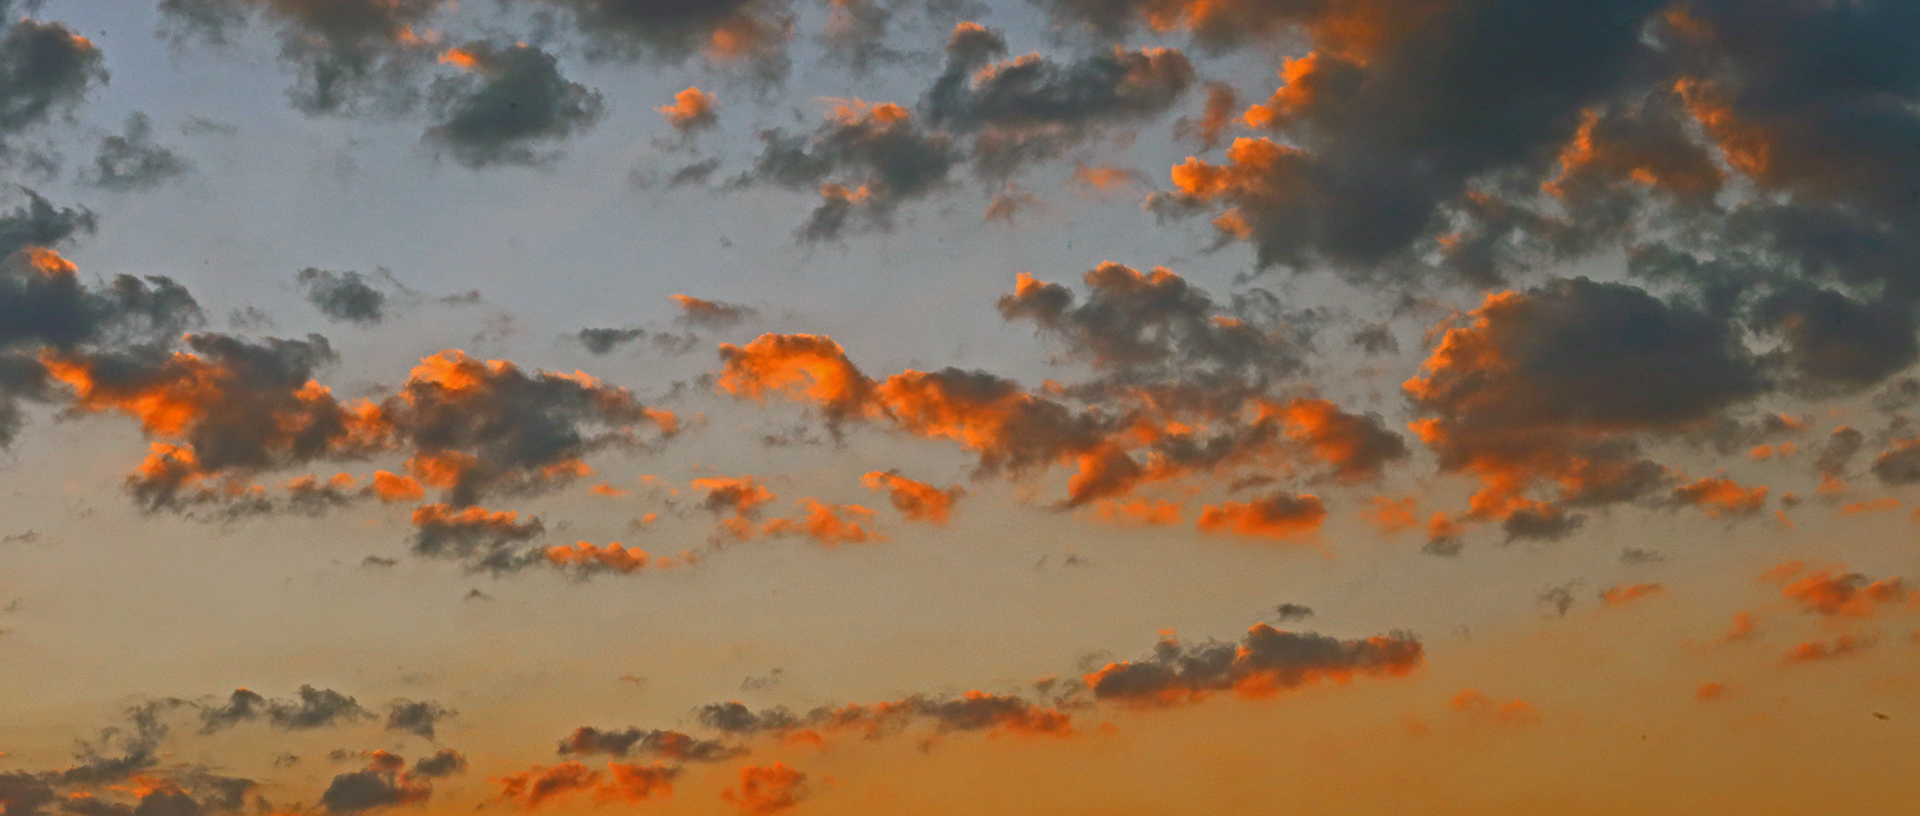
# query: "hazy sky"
{"type": "Point", "coordinates": [950, 407]}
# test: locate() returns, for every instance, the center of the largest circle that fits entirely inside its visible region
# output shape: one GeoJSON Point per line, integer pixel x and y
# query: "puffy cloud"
{"type": "Point", "coordinates": [916, 501]}
{"type": "Point", "coordinates": [1721, 497]}
{"type": "Point", "coordinates": [507, 104]}
{"type": "Point", "coordinates": [765, 789]}
{"type": "Point", "coordinates": [673, 745]}
{"type": "Point", "coordinates": [1155, 321]}
{"type": "Point", "coordinates": [1899, 464]}
{"type": "Point", "coordinates": [314, 708]}
{"type": "Point", "coordinates": [692, 110]}
{"type": "Point", "coordinates": [742, 496]}
{"type": "Point", "coordinates": [487, 539]}
{"type": "Point", "coordinates": [1032, 108]}
{"type": "Point", "coordinates": [445, 762]}
{"type": "Point", "coordinates": [385, 782]}
{"type": "Point", "coordinates": [542, 785]}
{"type": "Point", "coordinates": [1279, 516]}
{"type": "Point", "coordinates": [1553, 386]}
{"type": "Point", "coordinates": [132, 161]}
{"type": "Point", "coordinates": [351, 55]}
{"type": "Point", "coordinates": [420, 718]}
{"type": "Point", "coordinates": [46, 68]}
{"type": "Point", "coordinates": [864, 161]}
{"type": "Point", "coordinates": [1842, 594]}
{"type": "Point", "coordinates": [343, 296]}
{"type": "Point", "coordinates": [1265, 662]}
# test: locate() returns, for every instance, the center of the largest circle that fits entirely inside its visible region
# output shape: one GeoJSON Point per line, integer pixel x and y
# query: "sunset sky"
{"type": "Point", "coordinates": [953, 407]}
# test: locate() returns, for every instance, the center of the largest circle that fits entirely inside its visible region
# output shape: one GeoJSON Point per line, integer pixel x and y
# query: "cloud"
{"type": "Point", "coordinates": [1265, 662]}
{"type": "Point", "coordinates": [1279, 516]}
{"type": "Point", "coordinates": [46, 69]}
{"type": "Point", "coordinates": [445, 762]}
{"type": "Point", "coordinates": [1551, 387]}
{"type": "Point", "coordinates": [132, 161]}
{"type": "Point", "coordinates": [604, 341]}
{"type": "Point", "coordinates": [1842, 594]}
{"type": "Point", "coordinates": [673, 745]}
{"type": "Point", "coordinates": [343, 296]}
{"type": "Point", "coordinates": [916, 501]}
{"type": "Point", "coordinates": [314, 708]}
{"type": "Point", "coordinates": [385, 782]}
{"type": "Point", "coordinates": [1032, 108]}
{"type": "Point", "coordinates": [1512, 712]}
{"type": "Point", "coordinates": [765, 789]}
{"type": "Point", "coordinates": [351, 56]}
{"type": "Point", "coordinates": [1819, 651]}
{"type": "Point", "coordinates": [474, 534]}
{"type": "Point", "coordinates": [864, 161]}
{"type": "Point", "coordinates": [753, 33]}
{"type": "Point", "coordinates": [589, 559]}
{"type": "Point", "coordinates": [692, 110]}
{"type": "Point", "coordinates": [1622, 594]}
{"type": "Point", "coordinates": [1721, 497]}
{"type": "Point", "coordinates": [419, 718]}
{"type": "Point", "coordinates": [1292, 611]}
{"type": "Point", "coordinates": [507, 105]}
{"type": "Point", "coordinates": [710, 314]}
{"type": "Point", "coordinates": [542, 785]}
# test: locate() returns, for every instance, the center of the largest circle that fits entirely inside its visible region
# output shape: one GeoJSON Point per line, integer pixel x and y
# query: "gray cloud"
{"type": "Point", "coordinates": [132, 161]}
{"type": "Point", "coordinates": [510, 107]}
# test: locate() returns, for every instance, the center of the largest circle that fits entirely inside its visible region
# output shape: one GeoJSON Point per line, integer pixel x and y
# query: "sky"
{"type": "Point", "coordinates": [1106, 407]}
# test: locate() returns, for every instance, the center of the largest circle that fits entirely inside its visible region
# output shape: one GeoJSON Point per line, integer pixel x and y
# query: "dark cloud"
{"type": "Point", "coordinates": [418, 718]}
{"type": "Point", "coordinates": [487, 540]}
{"type": "Point", "coordinates": [671, 745]}
{"type": "Point", "coordinates": [864, 161]}
{"type": "Point", "coordinates": [1532, 389]}
{"type": "Point", "coordinates": [132, 161]}
{"type": "Point", "coordinates": [1898, 464]}
{"type": "Point", "coordinates": [1150, 322]}
{"type": "Point", "coordinates": [45, 70]}
{"type": "Point", "coordinates": [1267, 660]}
{"type": "Point", "coordinates": [1032, 108]}
{"type": "Point", "coordinates": [510, 106]}
{"type": "Point", "coordinates": [445, 762]}
{"type": "Point", "coordinates": [343, 296]}
{"type": "Point", "coordinates": [1840, 449]}
{"type": "Point", "coordinates": [1292, 611]}
{"type": "Point", "coordinates": [383, 783]}
{"type": "Point", "coordinates": [312, 708]}
{"type": "Point", "coordinates": [753, 33]}
{"type": "Point", "coordinates": [350, 55]}
{"type": "Point", "coordinates": [604, 341]}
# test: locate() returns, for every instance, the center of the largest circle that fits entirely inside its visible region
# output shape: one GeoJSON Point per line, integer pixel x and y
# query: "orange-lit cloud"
{"type": "Point", "coordinates": [916, 501]}
{"type": "Point", "coordinates": [1280, 516]}
{"type": "Point", "coordinates": [1840, 594]}
{"type": "Point", "coordinates": [765, 789]}
{"type": "Point", "coordinates": [692, 109]}
{"type": "Point", "coordinates": [1722, 497]}
{"type": "Point", "coordinates": [1478, 704]}
{"type": "Point", "coordinates": [1392, 515]}
{"type": "Point", "coordinates": [1154, 512]}
{"type": "Point", "coordinates": [1816, 651]}
{"type": "Point", "coordinates": [1622, 594]}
